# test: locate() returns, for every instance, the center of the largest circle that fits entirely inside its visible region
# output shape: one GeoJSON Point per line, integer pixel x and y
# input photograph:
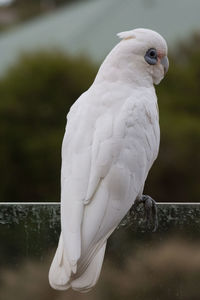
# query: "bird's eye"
{"type": "Point", "coordinates": [152, 53]}
{"type": "Point", "coordinates": [151, 56]}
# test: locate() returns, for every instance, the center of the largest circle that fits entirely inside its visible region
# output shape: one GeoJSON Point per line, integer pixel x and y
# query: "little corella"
{"type": "Point", "coordinates": [111, 141]}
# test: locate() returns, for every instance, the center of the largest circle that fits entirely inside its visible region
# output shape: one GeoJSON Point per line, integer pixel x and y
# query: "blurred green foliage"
{"type": "Point", "coordinates": [175, 175]}
{"type": "Point", "coordinates": [36, 95]}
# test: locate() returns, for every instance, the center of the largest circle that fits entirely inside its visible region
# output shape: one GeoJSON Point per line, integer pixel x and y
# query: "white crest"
{"type": "Point", "coordinates": [126, 35]}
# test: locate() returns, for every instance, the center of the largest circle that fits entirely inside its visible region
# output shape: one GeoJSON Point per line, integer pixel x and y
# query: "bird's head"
{"type": "Point", "coordinates": [140, 58]}
{"type": "Point", "coordinates": [147, 50]}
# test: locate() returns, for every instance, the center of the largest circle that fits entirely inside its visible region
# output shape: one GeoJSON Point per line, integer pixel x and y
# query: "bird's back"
{"type": "Point", "coordinates": [110, 143]}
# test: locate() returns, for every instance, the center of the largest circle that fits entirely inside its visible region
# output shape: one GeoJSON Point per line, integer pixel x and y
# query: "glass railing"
{"type": "Point", "coordinates": [139, 264]}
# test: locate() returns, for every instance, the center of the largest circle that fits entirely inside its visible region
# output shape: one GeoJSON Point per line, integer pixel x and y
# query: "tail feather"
{"type": "Point", "coordinates": [90, 276]}
{"type": "Point", "coordinates": [62, 278]}
{"type": "Point", "coordinates": [60, 271]}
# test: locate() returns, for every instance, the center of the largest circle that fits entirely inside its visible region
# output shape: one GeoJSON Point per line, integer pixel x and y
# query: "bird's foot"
{"type": "Point", "coordinates": [150, 209]}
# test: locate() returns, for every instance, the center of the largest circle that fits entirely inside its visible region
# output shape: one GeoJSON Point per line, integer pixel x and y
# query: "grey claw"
{"type": "Point", "coordinates": [150, 209]}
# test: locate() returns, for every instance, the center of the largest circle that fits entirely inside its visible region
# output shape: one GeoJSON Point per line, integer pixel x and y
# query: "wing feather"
{"type": "Point", "coordinates": [85, 161]}
{"type": "Point", "coordinates": [103, 152]}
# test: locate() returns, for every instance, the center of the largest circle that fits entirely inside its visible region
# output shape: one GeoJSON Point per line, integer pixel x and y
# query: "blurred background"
{"type": "Point", "coordinates": [50, 51]}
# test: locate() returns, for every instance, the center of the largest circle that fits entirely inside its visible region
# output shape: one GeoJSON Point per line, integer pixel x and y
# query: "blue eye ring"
{"type": "Point", "coordinates": [151, 56]}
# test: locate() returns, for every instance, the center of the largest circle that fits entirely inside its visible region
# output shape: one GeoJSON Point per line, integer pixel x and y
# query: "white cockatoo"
{"type": "Point", "coordinates": [111, 141]}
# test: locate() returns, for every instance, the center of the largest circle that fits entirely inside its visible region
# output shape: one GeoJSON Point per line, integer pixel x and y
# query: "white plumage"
{"type": "Point", "coordinates": [111, 141]}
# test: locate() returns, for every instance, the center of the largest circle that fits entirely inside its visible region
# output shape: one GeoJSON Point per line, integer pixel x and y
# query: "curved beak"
{"type": "Point", "coordinates": [165, 62]}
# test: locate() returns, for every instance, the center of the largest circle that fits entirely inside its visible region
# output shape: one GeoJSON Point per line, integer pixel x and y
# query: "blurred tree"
{"type": "Point", "coordinates": [175, 176]}
{"type": "Point", "coordinates": [35, 98]}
